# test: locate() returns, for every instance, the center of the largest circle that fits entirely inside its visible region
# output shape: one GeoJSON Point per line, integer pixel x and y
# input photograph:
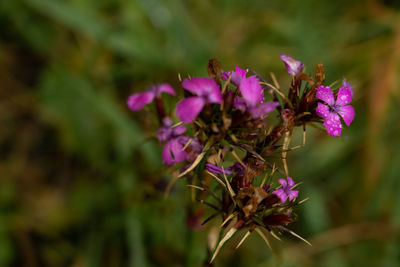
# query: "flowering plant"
{"type": "Point", "coordinates": [232, 125]}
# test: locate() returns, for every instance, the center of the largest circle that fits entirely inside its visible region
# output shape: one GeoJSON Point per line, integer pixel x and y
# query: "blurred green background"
{"type": "Point", "coordinates": [81, 182]}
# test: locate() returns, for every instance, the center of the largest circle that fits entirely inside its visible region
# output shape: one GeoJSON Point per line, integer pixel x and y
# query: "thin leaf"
{"type": "Point", "coordinates": [302, 201]}
{"type": "Point", "coordinates": [228, 185]}
{"type": "Point", "coordinates": [216, 178]}
{"type": "Point", "coordinates": [194, 164]}
{"type": "Point", "coordinates": [275, 235]}
{"type": "Point", "coordinates": [264, 237]}
{"type": "Point", "coordinates": [228, 219]}
{"type": "Point", "coordinates": [228, 235]}
{"type": "Point", "coordinates": [243, 239]}
{"type": "Point", "coordinates": [296, 235]}
{"type": "Point", "coordinates": [195, 186]}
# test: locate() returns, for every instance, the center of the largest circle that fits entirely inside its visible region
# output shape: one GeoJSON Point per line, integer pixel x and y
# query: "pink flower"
{"type": "Point", "coordinates": [173, 151]}
{"type": "Point", "coordinates": [139, 100]}
{"type": "Point", "coordinates": [253, 98]}
{"type": "Point", "coordinates": [286, 190]}
{"type": "Point", "coordinates": [293, 66]}
{"type": "Point", "coordinates": [332, 110]}
{"type": "Point", "coordinates": [252, 91]}
{"type": "Point", "coordinates": [207, 91]}
{"type": "Point", "coordinates": [166, 132]}
{"type": "Point", "coordinates": [236, 77]}
{"type": "Point", "coordinates": [250, 88]}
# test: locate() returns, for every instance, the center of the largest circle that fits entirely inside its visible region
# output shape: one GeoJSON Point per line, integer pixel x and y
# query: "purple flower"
{"type": "Point", "coordinates": [173, 151]}
{"type": "Point", "coordinates": [236, 77]}
{"type": "Point", "coordinates": [167, 132]}
{"type": "Point", "coordinates": [252, 93]}
{"type": "Point", "coordinates": [217, 170]}
{"type": "Point", "coordinates": [240, 104]}
{"type": "Point", "coordinates": [293, 66]}
{"type": "Point", "coordinates": [251, 90]}
{"type": "Point", "coordinates": [207, 91]}
{"type": "Point", "coordinates": [257, 111]}
{"type": "Point", "coordinates": [332, 110]}
{"type": "Point", "coordinates": [286, 190]}
{"type": "Point", "coordinates": [139, 100]}
{"type": "Point", "coordinates": [193, 149]}
{"type": "Point", "coordinates": [263, 109]}
{"type": "Point", "coordinates": [253, 96]}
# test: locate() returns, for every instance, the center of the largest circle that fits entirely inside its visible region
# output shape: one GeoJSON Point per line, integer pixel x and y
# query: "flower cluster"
{"type": "Point", "coordinates": [238, 130]}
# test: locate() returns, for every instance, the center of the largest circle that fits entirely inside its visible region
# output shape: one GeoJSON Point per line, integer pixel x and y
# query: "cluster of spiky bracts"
{"type": "Point", "coordinates": [233, 135]}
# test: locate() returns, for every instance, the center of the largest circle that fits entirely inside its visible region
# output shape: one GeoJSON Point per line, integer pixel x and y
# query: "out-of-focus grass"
{"type": "Point", "coordinates": [81, 182]}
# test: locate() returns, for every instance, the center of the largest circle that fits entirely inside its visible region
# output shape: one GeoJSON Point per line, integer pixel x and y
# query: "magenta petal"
{"type": "Point", "coordinates": [347, 85]}
{"type": "Point", "coordinates": [263, 109]}
{"type": "Point", "coordinates": [333, 125]}
{"type": "Point", "coordinates": [293, 194]}
{"type": "Point", "coordinates": [194, 85]}
{"type": "Point", "coordinates": [178, 130]}
{"type": "Point", "coordinates": [204, 87]}
{"type": "Point", "coordinates": [251, 90]}
{"type": "Point", "coordinates": [283, 182]}
{"type": "Point", "coordinates": [347, 113]}
{"type": "Point", "coordinates": [344, 96]}
{"type": "Point", "coordinates": [290, 182]}
{"type": "Point", "coordinates": [322, 111]}
{"type": "Point", "coordinates": [239, 103]}
{"type": "Point", "coordinates": [324, 93]}
{"type": "Point", "coordinates": [173, 153]}
{"type": "Point", "coordinates": [139, 100]}
{"type": "Point", "coordinates": [167, 122]}
{"type": "Point", "coordinates": [281, 194]}
{"type": "Point", "coordinates": [238, 75]}
{"type": "Point", "coordinates": [189, 108]}
{"type": "Point", "coordinates": [215, 95]}
{"type": "Point", "coordinates": [195, 145]}
{"type": "Point", "coordinates": [164, 133]}
{"type": "Point", "coordinates": [164, 88]}
{"type": "Point", "coordinates": [293, 66]}
{"type": "Point", "coordinates": [241, 73]}
{"type": "Point", "coordinates": [217, 170]}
